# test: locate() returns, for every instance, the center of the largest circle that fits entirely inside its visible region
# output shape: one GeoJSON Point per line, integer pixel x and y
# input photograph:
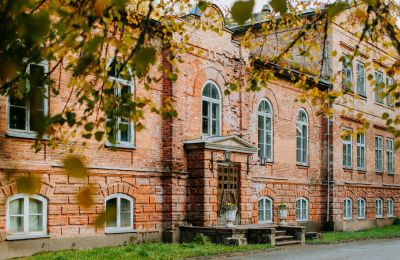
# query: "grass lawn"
{"type": "Point", "coordinates": [150, 251]}
{"type": "Point", "coordinates": [375, 233]}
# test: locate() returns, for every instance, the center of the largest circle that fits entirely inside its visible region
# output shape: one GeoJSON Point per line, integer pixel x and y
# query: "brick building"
{"type": "Point", "coordinates": [255, 149]}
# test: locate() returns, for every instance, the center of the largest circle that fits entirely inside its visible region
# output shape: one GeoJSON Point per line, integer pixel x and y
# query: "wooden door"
{"type": "Point", "coordinates": [228, 186]}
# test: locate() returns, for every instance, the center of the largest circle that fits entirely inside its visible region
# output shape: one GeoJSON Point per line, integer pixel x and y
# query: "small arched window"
{"type": "Point", "coordinates": [302, 209]}
{"type": "Point", "coordinates": [264, 210]}
{"type": "Point", "coordinates": [390, 208]}
{"type": "Point", "coordinates": [119, 211]}
{"type": "Point", "coordinates": [265, 134]}
{"type": "Point", "coordinates": [302, 137]}
{"type": "Point", "coordinates": [26, 216]}
{"type": "Point", "coordinates": [379, 208]}
{"type": "Point", "coordinates": [361, 208]}
{"type": "Point", "coordinates": [347, 208]}
{"type": "Point", "coordinates": [211, 110]}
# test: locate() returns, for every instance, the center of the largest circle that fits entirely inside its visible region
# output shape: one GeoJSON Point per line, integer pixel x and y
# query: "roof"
{"type": "Point", "coordinates": [230, 143]}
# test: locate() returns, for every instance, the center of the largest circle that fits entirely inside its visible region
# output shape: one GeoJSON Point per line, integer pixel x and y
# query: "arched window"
{"type": "Point", "coordinates": [379, 208]}
{"type": "Point", "coordinates": [302, 137]}
{"type": "Point", "coordinates": [119, 211]}
{"type": "Point", "coordinates": [347, 208]}
{"type": "Point", "coordinates": [122, 128]}
{"type": "Point", "coordinates": [264, 210]}
{"type": "Point", "coordinates": [26, 216]}
{"type": "Point", "coordinates": [211, 110]}
{"type": "Point", "coordinates": [265, 135]}
{"type": "Point", "coordinates": [361, 208]}
{"type": "Point", "coordinates": [302, 209]}
{"type": "Point", "coordinates": [390, 208]}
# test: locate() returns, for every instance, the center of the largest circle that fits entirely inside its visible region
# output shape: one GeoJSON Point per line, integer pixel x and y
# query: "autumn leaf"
{"type": "Point", "coordinates": [74, 167]}
{"type": "Point", "coordinates": [242, 10]}
{"type": "Point", "coordinates": [202, 5]}
{"type": "Point", "coordinates": [279, 6]}
{"type": "Point", "coordinates": [29, 184]}
{"type": "Point", "coordinates": [105, 216]}
{"type": "Point", "coordinates": [99, 7]}
{"type": "Point", "coordinates": [335, 9]}
{"type": "Point", "coordinates": [143, 58]}
{"type": "Point", "coordinates": [85, 197]}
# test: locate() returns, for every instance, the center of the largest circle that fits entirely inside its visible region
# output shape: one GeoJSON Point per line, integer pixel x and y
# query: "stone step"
{"type": "Point", "coordinates": [289, 242]}
{"type": "Point", "coordinates": [280, 232]}
{"type": "Point", "coordinates": [284, 237]}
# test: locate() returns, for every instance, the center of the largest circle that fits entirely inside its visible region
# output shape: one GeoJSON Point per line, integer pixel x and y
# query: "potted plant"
{"type": "Point", "coordinates": [229, 212]}
{"type": "Point", "coordinates": [282, 213]}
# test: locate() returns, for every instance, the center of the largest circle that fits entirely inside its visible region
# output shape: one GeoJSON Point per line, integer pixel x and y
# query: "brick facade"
{"type": "Point", "coordinates": [172, 185]}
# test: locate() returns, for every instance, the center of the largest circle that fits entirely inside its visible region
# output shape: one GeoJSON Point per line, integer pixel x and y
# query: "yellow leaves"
{"type": "Point", "coordinates": [335, 9]}
{"type": "Point", "coordinates": [360, 14]}
{"type": "Point", "coordinates": [99, 7]}
{"type": "Point", "coordinates": [242, 10]}
{"type": "Point", "coordinates": [85, 197]}
{"type": "Point", "coordinates": [143, 58]}
{"type": "Point", "coordinates": [279, 6]}
{"type": "Point", "coordinates": [105, 217]}
{"type": "Point", "coordinates": [29, 184]}
{"type": "Point", "coordinates": [74, 167]}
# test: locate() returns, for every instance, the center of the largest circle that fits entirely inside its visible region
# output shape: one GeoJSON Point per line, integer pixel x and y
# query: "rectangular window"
{"type": "Point", "coordinates": [379, 87]}
{"type": "Point", "coordinates": [27, 114]}
{"type": "Point", "coordinates": [389, 156]}
{"type": "Point", "coordinates": [361, 152]}
{"type": "Point", "coordinates": [347, 150]}
{"type": "Point", "coordinates": [347, 74]}
{"type": "Point", "coordinates": [361, 79]}
{"type": "Point", "coordinates": [378, 153]}
{"type": "Point", "coordinates": [390, 208]}
{"type": "Point", "coordinates": [389, 98]}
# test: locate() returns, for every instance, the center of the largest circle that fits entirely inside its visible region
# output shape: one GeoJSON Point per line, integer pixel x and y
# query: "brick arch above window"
{"type": "Point", "coordinates": [204, 75]}
{"type": "Point", "coordinates": [120, 187]}
{"type": "Point", "coordinates": [349, 194]}
{"type": "Point", "coordinates": [266, 94]}
{"type": "Point", "coordinates": [267, 192]}
{"type": "Point", "coordinates": [10, 189]}
{"type": "Point", "coordinates": [304, 193]}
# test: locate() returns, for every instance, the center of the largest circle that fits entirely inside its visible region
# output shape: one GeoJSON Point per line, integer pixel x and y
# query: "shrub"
{"type": "Point", "coordinates": [201, 239]}
{"type": "Point", "coordinates": [396, 221]}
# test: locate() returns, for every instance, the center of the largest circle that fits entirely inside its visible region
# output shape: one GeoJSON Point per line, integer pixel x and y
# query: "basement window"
{"type": "Point", "coordinates": [302, 209]}
{"type": "Point", "coordinates": [378, 208]}
{"type": "Point", "coordinates": [119, 213]}
{"type": "Point", "coordinates": [347, 209]}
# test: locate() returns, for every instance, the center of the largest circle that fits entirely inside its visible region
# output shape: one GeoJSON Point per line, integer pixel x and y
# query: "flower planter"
{"type": "Point", "coordinates": [229, 213]}
{"type": "Point", "coordinates": [282, 213]}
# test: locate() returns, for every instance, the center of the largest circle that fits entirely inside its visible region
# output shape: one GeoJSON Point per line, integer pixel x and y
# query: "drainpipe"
{"type": "Point", "coordinates": [328, 169]}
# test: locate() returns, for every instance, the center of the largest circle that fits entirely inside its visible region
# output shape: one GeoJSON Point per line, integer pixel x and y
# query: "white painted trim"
{"type": "Point", "coordinates": [270, 115]}
{"type": "Point", "coordinates": [381, 208]}
{"type": "Point", "coordinates": [351, 209]}
{"type": "Point", "coordinates": [307, 209]}
{"type": "Point", "coordinates": [364, 209]}
{"type": "Point", "coordinates": [392, 208]}
{"type": "Point", "coordinates": [348, 142]}
{"type": "Point", "coordinates": [307, 124]}
{"type": "Point", "coordinates": [266, 221]}
{"type": "Point", "coordinates": [215, 101]}
{"type": "Point", "coordinates": [118, 229]}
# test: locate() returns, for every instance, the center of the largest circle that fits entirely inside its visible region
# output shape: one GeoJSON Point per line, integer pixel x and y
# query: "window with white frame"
{"type": "Point", "coordinates": [347, 74]}
{"type": "Point", "coordinates": [302, 209]}
{"type": "Point", "coordinates": [26, 216]}
{"type": "Point", "coordinates": [264, 210]}
{"type": "Point", "coordinates": [389, 155]}
{"type": "Point", "coordinates": [265, 136]}
{"type": "Point", "coordinates": [390, 208]}
{"type": "Point", "coordinates": [361, 79]}
{"type": "Point", "coordinates": [347, 208]}
{"type": "Point", "coordinates": [389, 97]}
{"type": "Point", "coordinates": [119, 209]}
{"type": "Point", "coordinates": [302, 137]}
{"type": "Point", "coordinates": [361, 208]}
{"type": "Point", "coordinates": [347, 150]}
{"type": "Point", "coordinates": [122, 130]}
{"type": "Point", "coordinates": [211, 110]}
{"type": "Point", "coordinates": [379, 208]}
{"type": "Point", "coordinates": [379, 87]}
{"type": "Point", "coordinates": [378, 153]}
{"type": "Point", "coordinates": [361, 151]}
{"type": "Point", "coordinates": [26, 114]}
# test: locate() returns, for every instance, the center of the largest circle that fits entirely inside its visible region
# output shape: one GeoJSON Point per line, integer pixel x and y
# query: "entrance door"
{"type": "Point", "coordinates": [228, 187]}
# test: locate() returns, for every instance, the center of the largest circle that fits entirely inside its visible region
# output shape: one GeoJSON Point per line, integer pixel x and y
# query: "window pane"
{"type": "Point", "coordinates": [16, 207]}
{"type": "Point", "coordinates": [35, 206]}
{"type": "Point", "coordinates": [214, 92]}
{"type": "Point", "coordinates": [35, 223]}
{"type": "Point", "coordinates": [207, 90]}
{"type": "Point", "coordinates": [205, 117]}
{"type": "Point", "coordinates": [17, 119]}
{"type": "Point", "coordinates": [125, 131]}
{"type": "Point", "coordinates": [111, 206]}
{"type": "Point", "coordinates": [16, 224]}
{"type": "Point", "coordinates": [125, 213]}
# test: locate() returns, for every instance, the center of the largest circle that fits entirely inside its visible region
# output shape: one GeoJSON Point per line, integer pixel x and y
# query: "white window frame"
{"type": "Point", "coordinates": [263, 150]}
{"type": "Point", "coordinates": [264, 221]}
{"type": "Point", "coordinates": [378, 91]}
{"type": "Point", "coordinates": [347, 209]}
{"type": "Point", "coordinates": [347, 74]}
{"type": "Point", "coordinates": [361, 79]}
{"type": "Point", "coordinates": [389, 99]}
{"type": "Point", "coordinates": [26, 234]}
{"type": "Point", "coordinates": [389, 156]}
{"type": "Point", "coordinates": [211, 101]}
{"type": "Point", "coordinates": [361, 208]}
{"type": "Point", "coordinates": [379, 151]}
{"type": "Point", "coordinates": [300, 217]}
{"type": "Point", "coordinates": [348, 146]}
{"type": "Point", "coordinates": [361, 151]}
{"type": "Point", "coordinates": [117, 92]}
{"type": "Point", "coordinates": [118, 228]}
{"type": "Point", "coordinates": [300, 125]}
{"type": "Point", "coordinates": [29, 133]}
{"type": "Point", "coordinates": [379, 208]}
{"type": "Point", "coordinates": [390, 207]}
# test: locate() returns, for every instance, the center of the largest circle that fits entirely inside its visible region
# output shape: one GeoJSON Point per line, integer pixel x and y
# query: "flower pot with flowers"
{"type": "Point", "coordinates": [282, 213]}
{"type": "Point", "coordinates": [229, 212]}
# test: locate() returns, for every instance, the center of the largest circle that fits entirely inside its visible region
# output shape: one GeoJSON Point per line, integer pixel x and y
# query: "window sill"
{"type": "Point", "coordinates": [390, 174]}
{"type": "Point", "coordinates": [363, 218]}
{"type": "Point", "coordinates": [119, 231]}
{"type": "Point", "coordinates": [22, 237]}
{"type": "Point", "coordinates": [347, 219]}
{"type": "Point", "coordinates": [24, 134]}
{"type": "Point", "coordinates": [264, 222]}
{"type": "Point", "coordinates": [392, 216]}
{"type": "Point", "coordinates": [362, 171]}
{"type": "Point", "coordinates": [120, 145]}
{"type": "Point", "coordinates": [302, 165]}
{"type": "Point", "coordinates": [379, 217]}
{"type": "Point", "coordinates": [379, 103]}
{"type": "Point", "coordinates": [378, 172]}
{"type": "Point", "coordinates": [347, 169]}
{"type": "Point", "coordinates": [302, 220]}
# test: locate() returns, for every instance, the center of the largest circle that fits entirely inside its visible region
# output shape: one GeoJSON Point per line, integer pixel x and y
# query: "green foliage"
{"type": "Point", "coordinates": [279, 6]}
{"type": "Point", "coordinates": [201, 239]}
{"type": "Point", "coordinates": [242, 10]}
{"type": "Point", "coordinates": [396, 221]}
